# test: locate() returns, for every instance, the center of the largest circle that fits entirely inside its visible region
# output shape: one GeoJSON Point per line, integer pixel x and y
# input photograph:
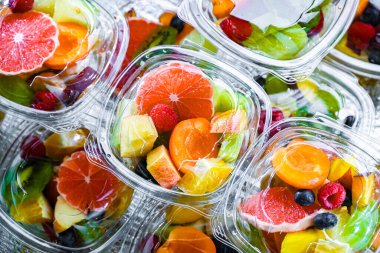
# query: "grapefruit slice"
{"type": "Point", "coordinates": [180, 85]}
{"type": "Point", "coordinates": [86, 186]}
{"type": "Point", "coordinates": [274, 210]}
{"type": "Point", "coordinates": [27, 40]}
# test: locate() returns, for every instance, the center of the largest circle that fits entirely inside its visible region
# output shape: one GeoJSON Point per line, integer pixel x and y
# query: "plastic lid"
{"type": "Point", "coordinates": [265, 33]}
{"type": "Point", "coordinates": [179, 124]}
{"type": "Point", "coordinates": [53, 199]}
{"type": "Point", "coordinates": [313, 186]}
{"type": "Point", "coordinates": [86, 43]}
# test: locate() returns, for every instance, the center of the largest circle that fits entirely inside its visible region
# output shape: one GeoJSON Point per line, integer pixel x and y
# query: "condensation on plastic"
{"type": "Point", "coordinates": [199, 14]}
{"type": "Point", "coordinates": [229, 226]}
{"type": "Point", "coordinates": [31, 240]}
{"type": "Point", "coordinates": [111, 27]}
{"type": "Point", "coordinates": [100, 149]}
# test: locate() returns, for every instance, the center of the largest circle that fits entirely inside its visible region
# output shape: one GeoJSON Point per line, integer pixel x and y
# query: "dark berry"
{"type": "Point", "coordinates": [50, 232]}
{"type": "Point", "coordinates": [331, 195]}
{"type": "Point", "coordinates": [360, 35]}
{"type": "Point", "coordinates": [177, 23]}
{"type": "Point", "coordinates": [77, 85]}
{"type": "Point", "coordinates": [222, 248]}
{"type": "Point", "coordinates": [374, 56]}
{"type": "Point", "coordinates": [142, 171]}
{"type": "Point", "coordinates": [236, 29]}
{"type": "Point", "coordinates": [260, 80]}
{"type": "Point", "coordinates": [149, 244]}
{"type": "Point", "coordinates": [371, 15]}
{"type": "Point", "coordinates": [277, 115]}
{"type": "Point", "coordinates": [304, 197]}
{"type": "Point", "coordinates": [45, 101]}
{"type": "Point", "coordinates": [348, 199]}
{"type": "Point", "coordinates": [325, 220]}
{"type": "Point", "coordinates": [18, 6]}
{"type": "Point", "coordinates": [32, 148]}
{"type": "Point", "coordinates": [68, 238]}
{"type": "Point", "coordinates": [349, 121]}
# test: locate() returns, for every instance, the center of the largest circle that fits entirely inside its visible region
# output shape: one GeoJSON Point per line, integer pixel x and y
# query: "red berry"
{"type": "Point", "coordinates": [277, 115]}
{"type": "Point", "coordinates": [164, 117]}
{"type": "Point", "coordinates": [319, 27]}
{"type": "Point", "coordinates": [331, 195]}
{"type": "Point", "coordinates": [359, 35]}
{"type": "Point", "coordinates": [45, 100]}
{"type": "Point", "coordinates": [32, 148]}
{"type": "Point", "coordinates": [18, 6]}
{"type": "Point", "coordinates": [236, 29]}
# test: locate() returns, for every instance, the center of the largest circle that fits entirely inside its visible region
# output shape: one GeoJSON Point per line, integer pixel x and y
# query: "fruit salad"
{"type": "Point", "coordinates": [362, 40]}
{"type": "Point", "coordinates": [53, 192]}
{"type": "Point", "coordinates": [52, 53]}
{"type": "Point", "coordinates": [308, 191]}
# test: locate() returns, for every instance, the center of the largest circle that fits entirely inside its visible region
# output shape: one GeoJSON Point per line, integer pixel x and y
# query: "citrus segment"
{"type": "Point", "coordinates": [27, 40]}
{"type": "Point", "coordinates": [73, 40]}
{"type": "Point", "coordinates": [85, 186]}
{"type": "Point", "coordinates": [301, 165]}
{"type": "Point", "coordinates": [191, 140]}
{"type": "Point", "coordinates": [180, 85]}
{"type": "Point", "coordinates": [187, 240]}
{"type": "Point", "coordinates": [274, 210]}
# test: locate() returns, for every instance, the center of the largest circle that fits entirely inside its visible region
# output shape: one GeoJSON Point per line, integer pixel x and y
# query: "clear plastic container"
{"type": "Point", "coordinates": [127, 134]}
{"type": "Point", "coordinates": [93, 37]}
{"type": "Point", "coordinates": [294, 50]}
{"type": "Point", "coordinates": [54, 200]}
{"type": "Point", "coordinates": [329, 91]}
{"type": "Point", "coordinates": [313, 187]}
{"type": "Point", "coordinates": [168, 228]}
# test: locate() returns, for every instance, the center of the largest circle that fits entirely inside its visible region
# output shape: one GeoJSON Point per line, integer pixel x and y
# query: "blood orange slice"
{"type": "Point", "coordinates": [180, 85]}
{"type": "Point", "coordinates": [274, 210]}
{"type": "Point", "coordinates": [84, 185]}
{"type": "Point", "coordinates": [27, 40]}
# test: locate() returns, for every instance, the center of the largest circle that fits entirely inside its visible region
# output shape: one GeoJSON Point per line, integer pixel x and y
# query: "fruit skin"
{"type": "Point", "coordinates": [191, 140]}
{"type": "Point", "coordinates": [223, 99]}
{"type": "Point", "coordinates": [232, 121]}
{"type": "Point", "coordinates": [274, 210]}
{"type": "Point", "coordinates": [137, 136]}
{"type": "Point", "coordinates": [162, 168]}
{"type": "Point", "coordinates": [304, 197]}
{"type": "Point", "coordinates": [34, 211]}
{"type": "Point", "coordinates": [361, 226]}
{"type": "Point", "coordinates": [187, 240]}
{"type": "Point", "coordinates": [363, 187]}
{"type": "Point", "coordinates": [32, 147]}
{"type": "Point", "coordinates": [325, 220]}
{"type": "Point", "coordinates": [231, 147]}
{"type": "Point", "coordinates": [179, 215]}
{"type": "Point", "coordinates": [65, 216]}
{"type": "Point", "coordinates": [331, 195]}
{"type": "Point", "coordinates": [164, 117]}
{"type": "Point", "coordinates": [236, 29]}
{"type": "Point", "coordinates": [20, 5]}
{"type": "Point", "coordinates": [15, 89]}
{"type": "Point", "coordinates": [299, 242]}
{"type": "Point", "coordinates": [302, 166]}
{"type": "Point", "coordinates": [45, 101]}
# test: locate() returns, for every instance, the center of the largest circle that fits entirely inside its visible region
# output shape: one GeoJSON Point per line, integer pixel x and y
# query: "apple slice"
{"type": "Point", "coordinates": [65, 216]}
{"type": "Point", "coordinates": [162, 168]}
{"type": "Point", "coordinates": [363, 187]}
{"type": "Point", "coordinates": [33, 211]}
{"type": "Point", "coordinates": [232, 121]}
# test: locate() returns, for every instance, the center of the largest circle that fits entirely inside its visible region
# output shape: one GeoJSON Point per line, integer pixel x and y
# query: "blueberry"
{"type": "Point", "coordinates": [222, 248]}
{"type": "Point", "coordinates": [68, 238]}
{"type": "Point", "coordinates": [325, 220]}
{"type": "Point", "coordinates": [142, 171]}
{"type": "Point", "coordinates": [374, 56]}
{"type": "Point", "coordinates": [371, 16]}
{"type": "Point", "coordinates": [304, 197]}
{"type": "Point", "coordinates": [177, 23]}
{"type": "Point", "coordinates": [349, 121]}
{"type": "Point", "coordinates": [348, 200]}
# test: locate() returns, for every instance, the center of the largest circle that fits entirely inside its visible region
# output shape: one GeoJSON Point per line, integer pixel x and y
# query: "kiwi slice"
{"type": "Point", "coordinates": [16, 89]}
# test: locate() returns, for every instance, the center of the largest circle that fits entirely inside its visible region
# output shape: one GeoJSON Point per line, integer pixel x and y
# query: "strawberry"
{"type": "Point", "coordinates": [18, 6]}
{"type": "Point", "coordinates": [164, 117]}
{"type": "Point", "coordinates": [359, 36]}
{"type": "Point", "coordinates": [236, 29]}
{"type": "Point", "coordinates": [45, 101]}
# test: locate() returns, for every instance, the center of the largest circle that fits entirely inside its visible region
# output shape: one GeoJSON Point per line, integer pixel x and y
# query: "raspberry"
{"type": "Point", "coordinates": [18, 6]}
{"type": "Point", "coordinates": [164, 117]}
{"type": "Point", "coordinates": [331, 195]}
{"type": "Point", "coordinates": [45, 100]}
{"type": "Point", "coordinates": [277, 115]}
{"type": "Point", "coordinates": [360, 35]}
{"type": "Point", "coordinates": [236, 29]}
{"type": "Point", "coordinates": [32, 147]}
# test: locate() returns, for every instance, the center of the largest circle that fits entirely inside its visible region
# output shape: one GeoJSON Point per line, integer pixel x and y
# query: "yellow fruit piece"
{"type": "Point", "coordinates": [363, 187]}
{"type": "Point", "coordinates": [343, 217]}
{"type": "Point", "coordinates": [59, 145]}
{"type": "Point", "coordinates": [324, 246]}
{"type": "Point", "coordinates": [65, 216]}
{"type": "Point", "coordinates": [179, 215]}
{"type": "Point", "coordinates": [309, 89]}
{"type": "Point", "coordinates": [207, 176]}
{"type": "Point", "coordinates": [222, 8]}
{"type": "Point", "coordinates": [138, 135]}
{"type": "Point", "coordinates": [33, 212]}
{"type": "Point", "coordinates": [342, 46]}
{"type": "Point", "coordinates": [300, 242]}
{"type": "Point", "coordinates": [338, 168]}
{"type": "Point", "coordinates": [120, 204]}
